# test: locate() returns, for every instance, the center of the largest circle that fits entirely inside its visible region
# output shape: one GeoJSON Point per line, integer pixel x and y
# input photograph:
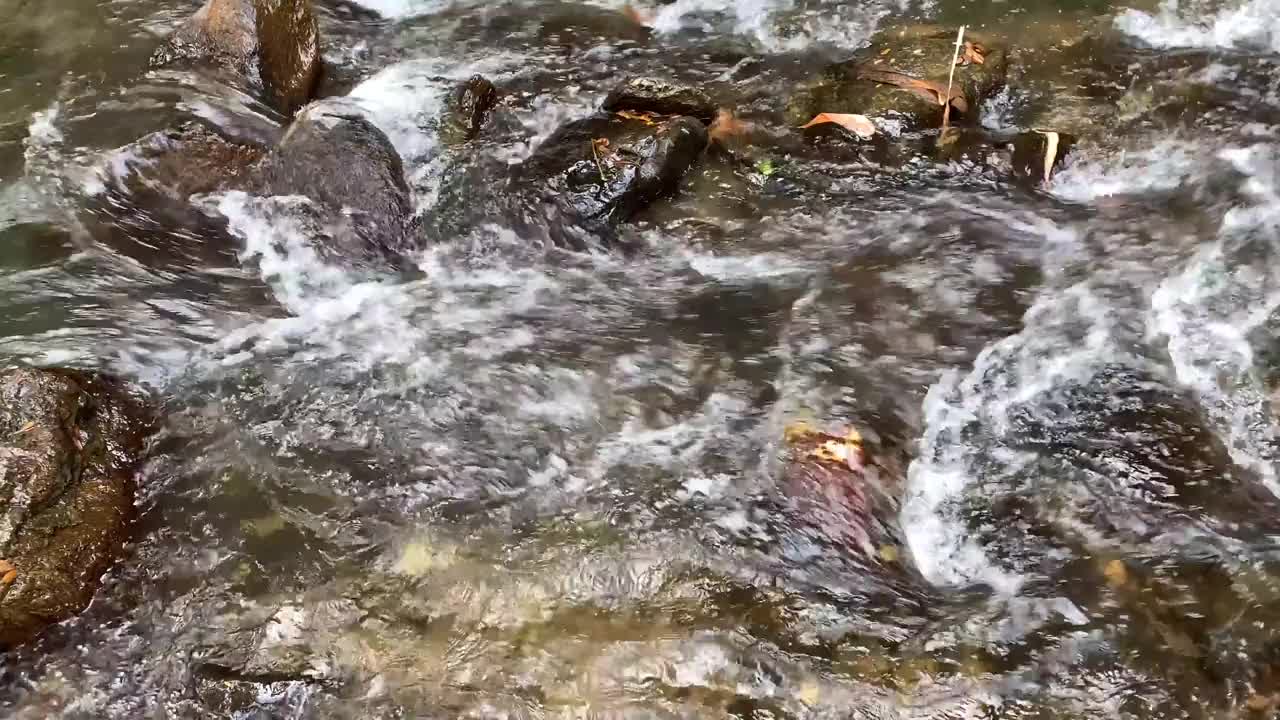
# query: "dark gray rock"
{"type": "Point", "coordinates": [69, 442]}
{"type": "Point", "coordinates": [348, 167]}
{"type": "Point", "coordinates": [270, 47]}
{"type": "Point", "coordinates": [649, 95]}
{"type": "Point", "coordinates": [596, 173]}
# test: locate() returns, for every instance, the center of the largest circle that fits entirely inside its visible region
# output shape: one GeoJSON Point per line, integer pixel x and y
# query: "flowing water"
{"type": "Point", "coordinates": [520, 482]}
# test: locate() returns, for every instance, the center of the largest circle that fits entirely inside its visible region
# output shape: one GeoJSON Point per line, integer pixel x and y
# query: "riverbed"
{"type": "Point", "coordinates": [522, 481]}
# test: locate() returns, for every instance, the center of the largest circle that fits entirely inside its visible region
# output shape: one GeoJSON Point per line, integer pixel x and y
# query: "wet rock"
{"type": "Point", "coordinates": [190, 160]}
{"type": "Point", "coordinates": [877, 82]}
{"type": "Point", "coordinates": [270, 47]}
{"type": "Point", "coordinates": [648, 95]}
{"type": "Point", "coordinates": [595, 173]}
{"type": "Point", "coordinates": [349, 168]}
{"type": "Point", "coordinates": [466, 110]}
{"type": "Point", "coordinates": [68, 444]}
{"type": "Point", "coordinates": [1037, 155]}
{"type": "Point", "coordinates": [846, 493]}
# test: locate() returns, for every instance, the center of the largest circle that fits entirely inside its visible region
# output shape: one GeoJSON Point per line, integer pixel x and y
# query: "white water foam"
{"type": "Point", "coordinates": [1208, 312]}
{"type": "Point", "coordinates": [398, 9]}
{"type": "Point", "coordinates": [1254, 24]}
{"type": "Point", "coordinates": [1168, 165]}
{"type": "Point", "coordinates": [1005, 376]}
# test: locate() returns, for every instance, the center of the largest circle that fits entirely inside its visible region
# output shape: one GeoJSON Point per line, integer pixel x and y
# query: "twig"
{"type": "Point", "coordinates": [955, 58]}
{"type": "Point", "coordinates": [600, 168]}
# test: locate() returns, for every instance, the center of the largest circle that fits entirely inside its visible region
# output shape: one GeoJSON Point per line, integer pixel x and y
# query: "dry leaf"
{"type": "Point", "coordinates": [1051, 140]}
{"type": "Point", "coordinates": [726, 126]}
{"type": "Point", "coordinates": [644, 117]}
{"type": "Point", "coordinates": [30, 424]}
{"type": "Point", "coordinates": [926, 88]}
{"type": "Point", "coordinates": [1116, 573]}
{"type": "Point", "coordinates": [846, 451]}
{"type": "Point", "coordinates": [974, 54]}
{"type": "Point", "coordinates": [637, 16]}
{"type": "Point", "coordinates": [859, 125]}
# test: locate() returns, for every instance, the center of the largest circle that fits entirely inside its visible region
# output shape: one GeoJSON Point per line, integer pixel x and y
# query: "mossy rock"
{"type": "Point", "coordinates": [920, 52]}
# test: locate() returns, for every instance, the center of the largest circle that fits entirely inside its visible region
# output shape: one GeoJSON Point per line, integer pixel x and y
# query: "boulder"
{"type": "Point", "coordinates": [69, 442]}
{"type": "Point", "coordinates": [269, 47]}
{"type": "Point", "coordinates": [347, 166]}
{"type": "Point", "coordinates": [901, 76]}
{"type": "Point", "coordinates": [598, 172]}
{"type": "Point", "coordinates": [466, 110]}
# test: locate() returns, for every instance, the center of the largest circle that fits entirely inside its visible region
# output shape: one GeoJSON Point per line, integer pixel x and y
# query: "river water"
{"type": "Point", "coordinates": [549, 481]}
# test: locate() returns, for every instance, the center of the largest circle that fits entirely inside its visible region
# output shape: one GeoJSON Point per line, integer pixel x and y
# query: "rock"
{"type": "Point", "coordinates": [865, 84]}
{"type": "Point", "coordinates": [596, 173]}
{"type": "Point", "coordinates": [466, 110]}
{"type": "Point", "coordinates": [271, 47]}
{"type": "Point", "coordinates": [348, 167]}
{"type": "Point", "coordinates": [647, 95]}
{"type": "Point", "coordinates": [190, 160]}
{"type": "Point", "coordinates": [68, 444]}
{"type": "Point", "coordinates": [842, 490]}
{"type": "Point", "coordinates": [1038, 154]}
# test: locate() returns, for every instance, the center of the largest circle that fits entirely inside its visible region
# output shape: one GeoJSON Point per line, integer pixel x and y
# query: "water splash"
{"type": "Point", "coordinates": [1251, 25]}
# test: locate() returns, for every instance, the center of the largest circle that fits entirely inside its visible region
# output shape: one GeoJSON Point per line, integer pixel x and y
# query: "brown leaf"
{"type": "Point", "coordinates": [637, 16]}
{"type": "Point", "coordinates": [859, 125]}
{"type": "Point", "coordinates": [725, 126]}
{"type": "Point", "coordinates": [974, 54]}
{"type": "Point", "coordinates": [926, 88]}
{"type": "Point", "coordinates": [644, 117]}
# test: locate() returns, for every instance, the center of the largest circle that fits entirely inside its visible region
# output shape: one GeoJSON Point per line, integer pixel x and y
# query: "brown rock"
{"type": "Point", "coordinates": [271, 47]}
{"type": "Point", "coordinates": [467, 109]}
{"type": "Point", "coordinates": [68, 444]}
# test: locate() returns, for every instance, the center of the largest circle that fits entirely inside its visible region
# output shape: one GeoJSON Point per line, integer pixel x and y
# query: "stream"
{"type": "Point", "coordinates": [520, 481]}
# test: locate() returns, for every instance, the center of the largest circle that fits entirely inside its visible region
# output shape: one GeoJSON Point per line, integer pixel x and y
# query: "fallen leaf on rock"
{"type": "Point", "coordinates": [30, 424]}
{"type": "Point", "coordinates": [1116, 572]}
{"type": "Point", "coordinates": [859, 125]}
{"type": "Point", "coordinates": [846, 451]}
{"type": "Point", "coordinates": [644, 117]}
{"type": "Point", "coordinates": [925, 88]}
{"type": "Point", "coordinates": [974, 54]}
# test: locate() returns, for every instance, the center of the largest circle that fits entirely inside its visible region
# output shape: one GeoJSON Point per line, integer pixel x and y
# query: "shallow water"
{"type": "Point", "coordinates": [520, 482]}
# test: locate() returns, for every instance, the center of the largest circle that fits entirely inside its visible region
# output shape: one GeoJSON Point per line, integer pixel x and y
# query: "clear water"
{"type": "Point", "coordinates": [525, 483]}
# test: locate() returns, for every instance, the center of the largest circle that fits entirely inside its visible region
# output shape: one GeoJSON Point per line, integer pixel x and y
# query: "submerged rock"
{"type": "Point", "coordinates": [271, 47]}
{"type": "Point", "coordinates": [68, 444]}
{"type": "Point", "coordinates": [466, 110]}
{"type": "Point", "coordinates": [845, 492]}
{"type": "Point", "coordinates": [347, 166]}
{"type": "Point", "coordinates": [595, 173]}
{"type": "Point", "coordinates": [901, 77]}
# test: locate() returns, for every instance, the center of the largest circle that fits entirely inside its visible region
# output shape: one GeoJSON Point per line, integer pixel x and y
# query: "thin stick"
{"type": "Point", "coordinates": [596, 154]}
{"type": "Point", "coordinates": [951, 76]}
